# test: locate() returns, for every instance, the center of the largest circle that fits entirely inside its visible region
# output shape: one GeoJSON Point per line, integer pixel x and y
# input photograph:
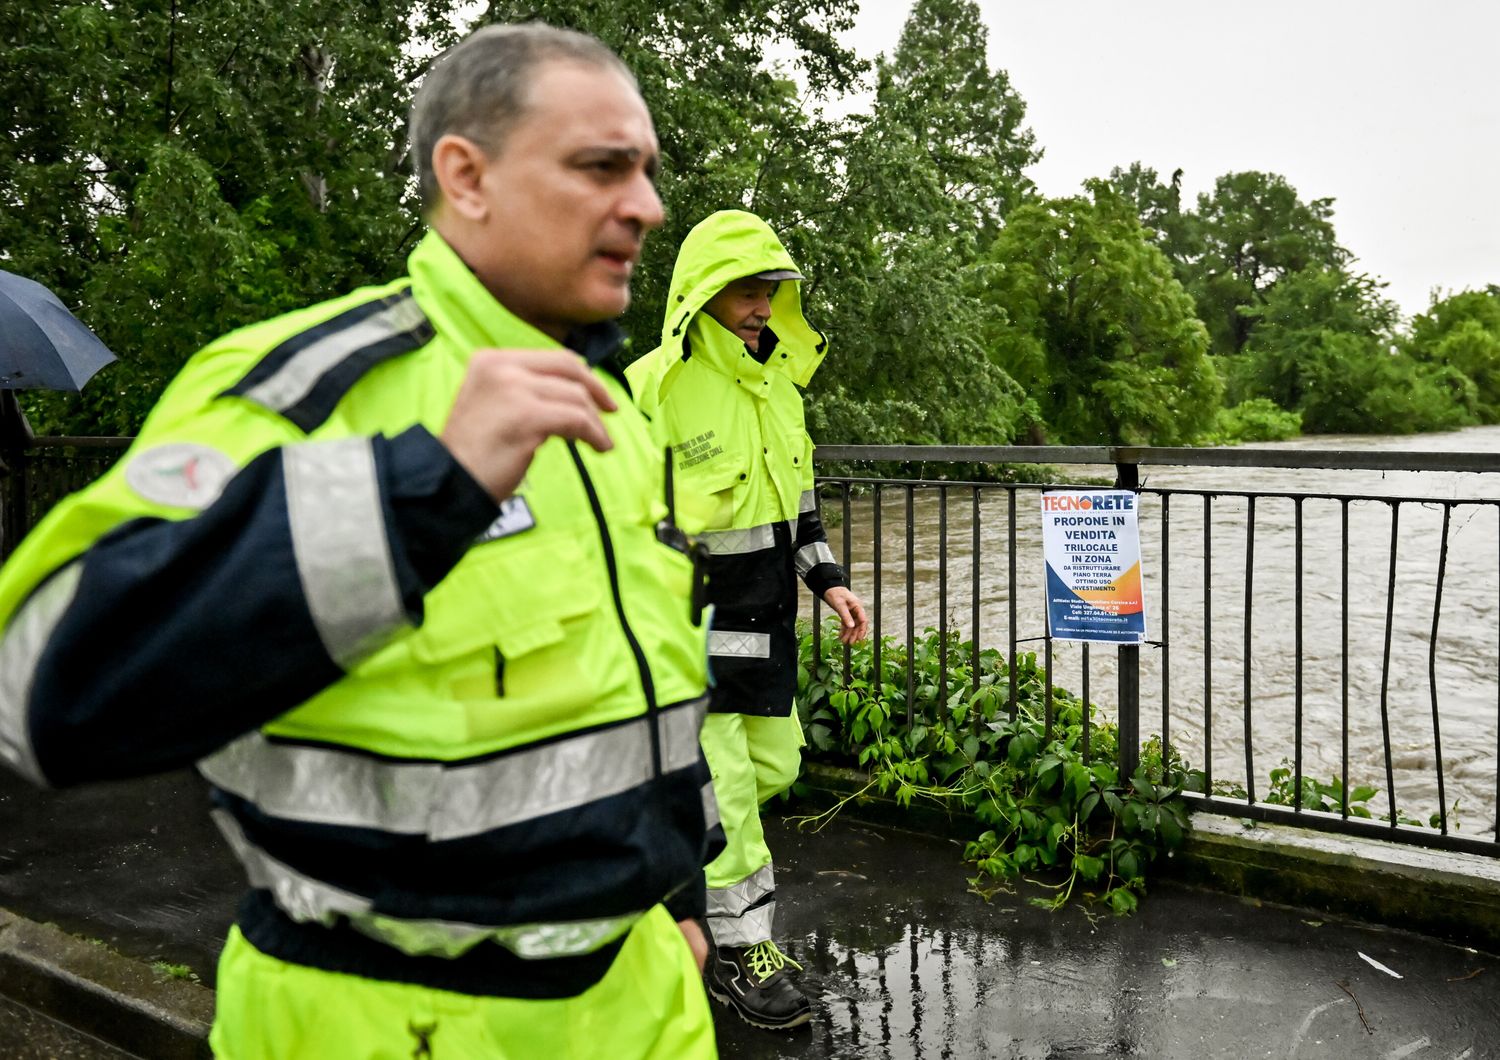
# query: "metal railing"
{"type": "Point", "coordinates": [1004, 561]}
{"type": "Point", "coordinates": [35, 477]}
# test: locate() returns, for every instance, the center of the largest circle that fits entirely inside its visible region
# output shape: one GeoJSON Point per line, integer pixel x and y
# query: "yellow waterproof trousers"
{"type": "Point", "coordinates": [752, 759]}
{"type": "Point", "coordinates": [650, 1004]}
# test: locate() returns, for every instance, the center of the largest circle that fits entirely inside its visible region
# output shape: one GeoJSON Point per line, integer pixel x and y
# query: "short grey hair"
{"type": "Point", "coordinates": [477, 88]}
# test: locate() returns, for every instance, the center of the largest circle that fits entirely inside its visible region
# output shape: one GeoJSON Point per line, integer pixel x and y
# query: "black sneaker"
{"type": "Point", "coordinates": [753, 981]}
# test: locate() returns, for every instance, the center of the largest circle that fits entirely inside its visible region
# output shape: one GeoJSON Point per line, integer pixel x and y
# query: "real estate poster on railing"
{"type": "Point", "coordinates": [1092, 547]}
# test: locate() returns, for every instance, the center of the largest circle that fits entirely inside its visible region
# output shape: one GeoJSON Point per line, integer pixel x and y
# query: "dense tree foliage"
{"type": "Point", "coordinates": [1097, 329]}
{"type": "Point", "coordinates": [175, 171]}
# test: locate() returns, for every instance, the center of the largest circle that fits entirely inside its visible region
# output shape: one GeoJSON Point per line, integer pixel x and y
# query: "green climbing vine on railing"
{"type": "Point", "coordinates": [1045, 811]}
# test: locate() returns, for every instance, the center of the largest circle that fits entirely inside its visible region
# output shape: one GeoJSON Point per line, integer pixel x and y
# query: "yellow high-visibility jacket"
{"type": "Point", "coordinates": [452, 743]}
{"type": "Point", "coordinates": [734, 421]}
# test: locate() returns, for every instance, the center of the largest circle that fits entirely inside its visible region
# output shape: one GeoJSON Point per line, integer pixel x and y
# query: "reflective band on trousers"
{"type": "Point", "coordinates": [745, 930]}
{"type": "Point", "coordinates": [732, 901]}
{"type": "Point", "coordinates": [295, 379]}
{"type": "Point", "coordinates": [20, 652]}
{"type": "Point", "coordinates": [307, 900]}
{"type": "Point", "coordinates": [338, 537]}
{"type": "Point", "coordinates": [728, 642]}
{"type": "Point", "coordinates": [735, 918]}
{"type": "Point", "coordinates": [809, 556]}
{"type": "Point", "coordinates": [327, 785]}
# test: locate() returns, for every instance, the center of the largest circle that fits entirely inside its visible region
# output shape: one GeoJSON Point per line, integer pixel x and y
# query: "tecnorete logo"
{"type": "Point", "coordinates": [1069, 502]}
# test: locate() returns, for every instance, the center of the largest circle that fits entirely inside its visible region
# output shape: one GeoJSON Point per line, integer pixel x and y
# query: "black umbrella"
{"type": "Point", "coordinates": [42, 345]}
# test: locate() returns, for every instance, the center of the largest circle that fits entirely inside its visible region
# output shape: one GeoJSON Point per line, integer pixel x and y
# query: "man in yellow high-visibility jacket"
{"type": "Point", "coordinates": [398, 573]}
{"type": "Point", "coordinates": [722, 390]}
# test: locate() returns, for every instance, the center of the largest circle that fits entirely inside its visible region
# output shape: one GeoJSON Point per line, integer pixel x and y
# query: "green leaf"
{"type": "Point", "coordinates": [1088, 867]}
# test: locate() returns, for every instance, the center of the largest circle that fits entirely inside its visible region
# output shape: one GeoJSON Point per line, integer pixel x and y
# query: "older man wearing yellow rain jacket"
{"type": "Point", "coordinates": [723, 392]}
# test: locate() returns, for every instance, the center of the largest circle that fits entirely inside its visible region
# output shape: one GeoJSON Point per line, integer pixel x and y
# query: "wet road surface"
{"type": "Point", "coordinates": [28, 1035]}
{"type": "Point", "coordinates": [902, 962]}
{"type": "Point", "coordinates": [900, 959]}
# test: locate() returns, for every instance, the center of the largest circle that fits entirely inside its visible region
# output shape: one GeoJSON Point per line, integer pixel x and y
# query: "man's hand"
{"type": "Point", "coordinates": [854, 626]}
{"type": "Point", "coordinates": [693, 932]}
{"type": "Point", "coordinates": [511, 401]}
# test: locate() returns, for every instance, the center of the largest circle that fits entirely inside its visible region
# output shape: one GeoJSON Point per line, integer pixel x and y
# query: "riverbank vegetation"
{"type": "Point", "coordinates": [1039, 788]}
{"type": "Point", "coordinates": [175, 171]}
{"type": "Point", "coordinates": [1043, 790]}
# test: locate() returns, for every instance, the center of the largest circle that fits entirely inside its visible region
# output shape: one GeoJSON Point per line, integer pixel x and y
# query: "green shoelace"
{"type": "Point", "coordinates": [765, 960]}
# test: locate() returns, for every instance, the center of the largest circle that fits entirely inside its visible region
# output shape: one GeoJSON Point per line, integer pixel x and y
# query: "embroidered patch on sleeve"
{"type": "Point", "coordinates": [180, 474]}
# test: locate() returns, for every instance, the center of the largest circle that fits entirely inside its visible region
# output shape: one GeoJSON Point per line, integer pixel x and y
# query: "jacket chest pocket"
{"type": "Point", "coordinates": [707, 490]}
{"type": "Point", "coordinates": [518, 595]}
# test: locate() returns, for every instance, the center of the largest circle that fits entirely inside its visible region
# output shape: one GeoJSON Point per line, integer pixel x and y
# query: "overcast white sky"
{"type": "Point", "coordinates": [1391, 107]}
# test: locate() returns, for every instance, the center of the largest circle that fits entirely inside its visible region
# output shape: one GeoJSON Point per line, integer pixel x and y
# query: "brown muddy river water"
{"type": "Point", "coordinates": [1466, 664]}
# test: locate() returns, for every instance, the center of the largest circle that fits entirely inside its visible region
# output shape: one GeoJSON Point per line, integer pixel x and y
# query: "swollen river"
{"type": "Point", "coordinates": [1466, 663]}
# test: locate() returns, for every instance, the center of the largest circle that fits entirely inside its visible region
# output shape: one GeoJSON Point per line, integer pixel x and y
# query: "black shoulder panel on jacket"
{"type": "Point", "coordinates": [304, 377]}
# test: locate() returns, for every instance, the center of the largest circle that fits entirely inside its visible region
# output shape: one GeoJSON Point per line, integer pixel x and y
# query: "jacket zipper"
{"type": "Point", "coordinates": [648, 687]}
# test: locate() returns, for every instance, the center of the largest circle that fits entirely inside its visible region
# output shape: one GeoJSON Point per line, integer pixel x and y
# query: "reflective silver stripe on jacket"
{"type": "Point", "coordinates": [339, 539]}
{"type": "Point", "coordinates": [307, 900]}
{"type": "Point", "coordinates": [738, 542]}
{"type": "Point", "coordinates": [732, 921]}
{"type": "Point", "coordinates": [710, 806]}
{"type": "Point", "coordinates": [325, 785]}
{"type": "Point", "coordinates": [728, 642]}
{"type": "Point", "coordinates": [809, 556]}
{"type": "Point", "coordinates": [808, 502]}
{"type": "Point", "coordinates": [21, 649]}
{"type": "Point", "coordinates": [295, 379]}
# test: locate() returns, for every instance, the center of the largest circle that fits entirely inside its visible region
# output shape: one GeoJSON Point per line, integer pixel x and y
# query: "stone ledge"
{"type": "Point", "coordinates": [1452, 896]}
{"type": "Point", "coordinates": [96, 990]}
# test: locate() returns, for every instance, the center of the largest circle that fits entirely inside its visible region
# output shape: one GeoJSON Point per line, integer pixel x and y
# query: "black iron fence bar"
{"type": "Point", "coordinates": [1047, 690]}
{"type": "Point", "coordinates": [1343, 676]}
{"type": "Point", "coordinates": [1297, 640]}
{"type": "Point", "coordinates": [943, 602]}
{"type": "Point", "coordinates": [911, 605]}
{"type": "Point", "coordinates": [875, 634]}
{"type": "Point", "coordinates": [1166, 640]}
{"type": "Point", "coordinates": [1011, 593]}
{"type": "Point", "coordinates": [1385, 667]}
{"type": "Point", "coordinates": [1411, 835]}
{"type": "Point", "coordinates": [1128, 671]}
{"type": "Point", "coordinates": [1344, 459]}
{"type": "Point", "coordinates": [1249, 647]}
{"type": "Point", "coordinates": [1208, 642]}
{"type": "Point", "coordinates": [1437, 609]}
{"type": "Point", "coordinates": [1086, 706]}
{"type": "Point", "coordinates": [974, 592]}
{"type": "Point", "coordinates": [846, 554]}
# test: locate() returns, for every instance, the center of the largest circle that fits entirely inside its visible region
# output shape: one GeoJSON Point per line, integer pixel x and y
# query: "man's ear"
{"type": "Point", "coordinates": [458, 166]}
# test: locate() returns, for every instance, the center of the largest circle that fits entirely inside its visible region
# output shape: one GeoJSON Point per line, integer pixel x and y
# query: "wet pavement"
{"type": "Point", "coordinates": [900, 959]}
{"type": "Point", "coordinates": [28, 1035]}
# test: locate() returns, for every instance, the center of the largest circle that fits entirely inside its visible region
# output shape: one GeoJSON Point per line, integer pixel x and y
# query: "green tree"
{"type": "Point", "coordinates": [1323, 344]}
{"type": "Point", "coordinates": [1253, 231]}
{"type": "Point", "coordinates": [174, 170]}
{"type": "Point", "coordinates": [1158, 205]}
{"type": "Point", "coordinates": [965, 118]}
{"type": "Point", "coordinates": [1462, 332]}
{"type": "Point", "coordinates": [1096, 327]}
